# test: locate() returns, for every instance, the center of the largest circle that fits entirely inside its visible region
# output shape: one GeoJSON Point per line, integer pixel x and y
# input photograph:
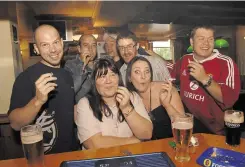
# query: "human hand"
{"type": "Point", "coordinates": [44, 85]}
{"type": "Point", "coordinates": [86, 57]}
{"type": "Point", "coordinates": [123, 98]}
{"type": "Point", "coordinates": [197, 71]}
{"type": "Point", "coordinates": [165, 93]}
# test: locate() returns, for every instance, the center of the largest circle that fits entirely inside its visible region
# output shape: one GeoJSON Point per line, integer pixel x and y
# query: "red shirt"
{"type": "Point", "coordinates": [198, 101]}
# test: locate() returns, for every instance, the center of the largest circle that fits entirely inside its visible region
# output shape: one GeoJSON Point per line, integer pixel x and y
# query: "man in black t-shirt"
{"type": "Point", "coordinates": [43, 94]}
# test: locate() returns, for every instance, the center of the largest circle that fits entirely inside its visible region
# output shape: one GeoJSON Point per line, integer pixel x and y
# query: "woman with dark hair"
{"type": "Point", "coordinates": [110, 115]}
{"type": "Point", "coordinates": [161, 99]}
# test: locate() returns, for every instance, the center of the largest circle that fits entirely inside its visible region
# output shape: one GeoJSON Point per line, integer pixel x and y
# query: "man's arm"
{"type": "Point", "coordinates": [22, 116]}
{"type": "Point", "coordinates": [214, 89]}
{"type": "Point", "coordinates": [199, 73]}
{"type": "Point", "coordinates": [225, 94]}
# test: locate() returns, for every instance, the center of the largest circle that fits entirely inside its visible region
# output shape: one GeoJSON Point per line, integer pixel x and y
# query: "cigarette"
{"type": "Point", "coordinates": [172, 79]}
{"type": "Point", "coordinates": [85, 61]}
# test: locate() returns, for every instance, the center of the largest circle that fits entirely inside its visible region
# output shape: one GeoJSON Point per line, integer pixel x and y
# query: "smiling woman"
{"type": "Point", "coordinates": [117, 116]}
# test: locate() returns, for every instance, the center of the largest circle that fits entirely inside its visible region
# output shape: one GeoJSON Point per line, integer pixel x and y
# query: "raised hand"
{"type": "Point", "coordinates": [44, 85]}
{"type": "Point", "coordinates": [165, 93]}
{"type": "Point", "coordinates": [123, 98]}
{"type": "Point", "coordinates": [197, 71]}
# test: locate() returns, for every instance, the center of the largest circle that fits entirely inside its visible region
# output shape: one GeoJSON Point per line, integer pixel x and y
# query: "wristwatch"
{"type": "Point", "coordinates": [209, 81]}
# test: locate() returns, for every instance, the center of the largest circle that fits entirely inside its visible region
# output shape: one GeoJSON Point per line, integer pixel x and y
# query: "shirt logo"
{"type": "Point", "coordinates": [194, 85]}
{"type": "Point", "coordinates": [49, 128]}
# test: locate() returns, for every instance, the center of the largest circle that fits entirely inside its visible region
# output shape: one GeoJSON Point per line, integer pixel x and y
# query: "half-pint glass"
{"type": "Point", "coordinates": [32, 143]}
{"type": "Point", "coordinates": [182, 127]}
{"type": "Point", "coordinates": [233, 120]}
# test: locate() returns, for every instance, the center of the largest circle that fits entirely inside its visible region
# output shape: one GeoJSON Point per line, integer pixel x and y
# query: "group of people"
{"type": "Point", "coordinates": [122, 98]}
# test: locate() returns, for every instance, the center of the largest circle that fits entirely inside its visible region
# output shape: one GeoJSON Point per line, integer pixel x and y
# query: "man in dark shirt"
{"type": "Point", "coordinates": [43, 94]}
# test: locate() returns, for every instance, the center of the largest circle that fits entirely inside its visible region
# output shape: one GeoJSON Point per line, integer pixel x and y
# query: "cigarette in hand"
{"type": "Point", "coordinates": [172, 79]}
{"type": "Point", "coordinates": [85, 61]}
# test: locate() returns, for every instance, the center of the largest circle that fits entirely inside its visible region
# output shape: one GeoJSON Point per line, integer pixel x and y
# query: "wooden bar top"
{"type": "Point", "coordinates": [205, 141]}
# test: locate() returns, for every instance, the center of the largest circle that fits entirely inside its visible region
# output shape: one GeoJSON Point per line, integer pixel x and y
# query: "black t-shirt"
{"type": "Point", "coordinates": [57, 114]}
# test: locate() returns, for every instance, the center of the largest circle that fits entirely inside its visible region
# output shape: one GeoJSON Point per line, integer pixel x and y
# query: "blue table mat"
{"type": "Point", "coordinates": [157, 159]}
{"type": "Point", "coordinates": [223, 158]}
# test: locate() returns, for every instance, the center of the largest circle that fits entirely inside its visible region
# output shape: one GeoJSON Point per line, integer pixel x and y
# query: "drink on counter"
{"type": "Point", "coordinates": [233, 120]}
{"type": "Point", "coordinates": [182, 128]}
{"type": "Point", "coordinates": [32, 143]}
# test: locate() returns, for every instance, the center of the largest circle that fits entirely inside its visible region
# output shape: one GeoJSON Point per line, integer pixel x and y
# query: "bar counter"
{"type": "Point", "coordinates": [205, 141]}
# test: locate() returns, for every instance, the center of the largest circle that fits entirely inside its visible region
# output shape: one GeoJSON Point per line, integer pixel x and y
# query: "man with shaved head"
{"type": "Point", "coordinates": [81, 67]}
{"type": "Point", "coordinates": [43, 94]}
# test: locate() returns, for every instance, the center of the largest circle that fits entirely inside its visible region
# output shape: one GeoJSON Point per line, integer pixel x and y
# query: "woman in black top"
{"type": "Point", "coordinates": [161, 99]}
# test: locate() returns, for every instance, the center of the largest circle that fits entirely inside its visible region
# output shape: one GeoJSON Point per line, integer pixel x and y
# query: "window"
{"type": "Point", "coordinates": [162, 48]}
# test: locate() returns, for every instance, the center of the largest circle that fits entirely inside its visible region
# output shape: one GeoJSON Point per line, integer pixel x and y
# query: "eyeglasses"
{"type": "Point", "coordinates": [129, 47]}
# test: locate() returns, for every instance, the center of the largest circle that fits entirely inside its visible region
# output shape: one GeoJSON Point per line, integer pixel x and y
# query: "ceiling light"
{"type": "Point", "coordinates": [76, 37]}
{"type": "Point", "coordinates": [95, 35]}
{"type": "Point", "coordinates": [221, 43]}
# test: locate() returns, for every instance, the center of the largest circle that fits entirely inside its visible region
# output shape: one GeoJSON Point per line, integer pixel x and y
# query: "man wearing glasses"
{"type": "Point", "coordinates": [128, 46]}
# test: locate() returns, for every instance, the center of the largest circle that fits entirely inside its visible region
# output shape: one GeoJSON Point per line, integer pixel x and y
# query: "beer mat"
{"type": "Point", "coordinates": [220, 157]}
{"type": "Point", "coordinates": [157, 159]}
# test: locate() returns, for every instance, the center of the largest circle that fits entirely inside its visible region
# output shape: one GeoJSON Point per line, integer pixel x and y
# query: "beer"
{"type": "Point", "coordinates": [182, 132]}
{"type": "Point", "coordinates": [32, 143]}
{"type": "Point", "coordinates": [233, 120]}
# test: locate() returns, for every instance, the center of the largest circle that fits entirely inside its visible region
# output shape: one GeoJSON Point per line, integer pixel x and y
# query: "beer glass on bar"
{"type": "Point", "coordinates": [182, 127]}
{"type": "Point", "coordinates": [32, 143]}
{"type": "Point", "coordinates": [233, 120]}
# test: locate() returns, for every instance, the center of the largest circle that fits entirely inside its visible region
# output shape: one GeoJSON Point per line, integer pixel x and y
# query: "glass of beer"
{"type": "Point", "coordinates": [32, 142]}
{"type": "Point", "coordinates": [233, 120]}
{"type": "Point", "coordinates": [182, 127]}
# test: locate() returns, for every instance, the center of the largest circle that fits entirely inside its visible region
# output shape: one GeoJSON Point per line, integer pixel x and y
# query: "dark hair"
{"type": "Point", "coordinates": [207, 27]}
{"type": "Point", "coordinates": [101, 67]}
{"type": "Point", "coordinates": [81, 38]}
{"type": "Point", "coordinates": [129, 84]}
{"type": "Point", "coordinates": [127, 34]}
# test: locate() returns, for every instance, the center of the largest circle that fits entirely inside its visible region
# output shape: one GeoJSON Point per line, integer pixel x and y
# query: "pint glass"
{"type": "Point", "coordinates": [32, 143]}
{"type": "Point", "coordinates": [233, 120]}
{"type": "Point", "coordinates": [182, 127]}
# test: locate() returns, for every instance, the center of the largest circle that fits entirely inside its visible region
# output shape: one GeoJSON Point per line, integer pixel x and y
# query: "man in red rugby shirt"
{"type": "Point", "coordinates": [209, 81]}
